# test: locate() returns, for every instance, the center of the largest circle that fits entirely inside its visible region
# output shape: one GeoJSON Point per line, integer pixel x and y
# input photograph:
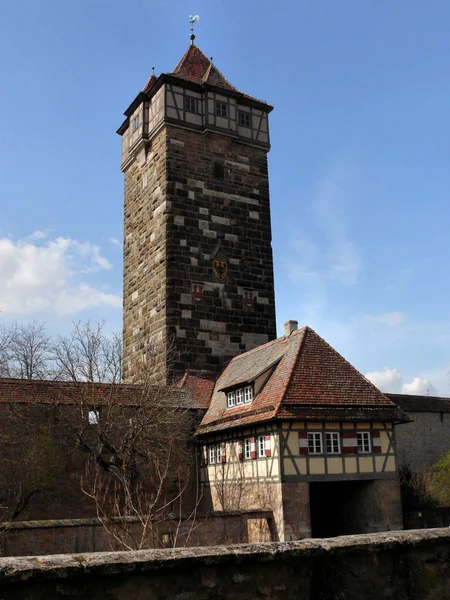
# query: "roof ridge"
{"type": "Point", "coordinates": [282, 337]}
{"type": "Point", "coordinates": [294, 362]}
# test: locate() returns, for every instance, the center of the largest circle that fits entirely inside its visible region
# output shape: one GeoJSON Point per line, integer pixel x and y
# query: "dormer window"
{"type": "Point", "coordinates": [221, 109]}
{"type": "Point", "coordinates": [135, 122]}
{"type": "Point", "coordinates": [191, 104]}
{"type": "Point", "coordinates": [240, 396]}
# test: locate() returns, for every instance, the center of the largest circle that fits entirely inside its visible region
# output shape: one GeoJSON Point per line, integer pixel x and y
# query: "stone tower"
{"type": "Point", "coordinates": [198, 271]}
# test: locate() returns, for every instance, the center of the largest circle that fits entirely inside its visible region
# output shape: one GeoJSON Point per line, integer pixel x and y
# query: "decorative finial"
{"type": "Point", "coordinates": [210, 59]}
{"type": "Point", "coordinates": [153, 71]}
{"type": "Point", "coordinates": [192, 20]}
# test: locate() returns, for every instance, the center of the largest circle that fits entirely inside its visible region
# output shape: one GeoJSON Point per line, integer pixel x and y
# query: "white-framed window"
{"type": "Point", "coordinates": [244, 118]}
{"type": "Point", "coordinates": [333, 442]}
{"type": "Point", "coordinates": [248, 394]}
{"type": "Point", "coordinates": [212, 454]}
{"type": "Point", "coordinates": [135, 122]}
{"type": "Point", "coordinates": [315, 442]}
{"type": "Point", "coordinates": [191, 104]}
{"type": "Point", "coordinates": [363, 440]}
{"type": "Point", "coordinates": [261, 446]}
{"type": "Point", "coordinates": [218, 453]}
{"type": "Point", "coordinates": [221, 109]}
{"type": "Point", "coordinates": [247, 448]}
{"type": "Point", "coordinates": [93, 416]}
{"type": "Point", "coordinates": [240, 396]}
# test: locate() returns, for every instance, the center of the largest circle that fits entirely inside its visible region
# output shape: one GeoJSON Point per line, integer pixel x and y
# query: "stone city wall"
{"type": "Point", "coordinates": [392, 566]}
{"type": "Point", "coordinates": [33, 538]}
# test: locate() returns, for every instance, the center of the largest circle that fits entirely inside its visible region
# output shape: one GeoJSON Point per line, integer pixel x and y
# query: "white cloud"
{"type": "Point", "coordinates": [46, 276]}
{"type": "Point", "coordinates": [115, 242]}
{"type": "Point", "coordinates": [390, 319]}
{"type": "Point", "coordinates": [388, 380]}
{"type": "Point", "coordinates": [391, 381]}
{"type": "Point", "coordinates": [419, 386]}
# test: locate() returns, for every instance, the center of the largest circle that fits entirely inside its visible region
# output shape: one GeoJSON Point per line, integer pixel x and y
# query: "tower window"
{"type": "Point", "coordinates": [221, 109]}
{"type": "Point", "coordinates": [191, 104]}
{"type": "Point", "coordinates": [244, 118]}
{"type": "Point", "coordinates": [135, 122]}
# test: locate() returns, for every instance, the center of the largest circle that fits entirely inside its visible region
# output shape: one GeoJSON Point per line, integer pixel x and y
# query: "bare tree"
{"type": "Point", "coordinates": [29, 351]}
{"type": "Point", "coordinates": [6, 336]}
{"type": "Point", "coordinates": [88, 355]}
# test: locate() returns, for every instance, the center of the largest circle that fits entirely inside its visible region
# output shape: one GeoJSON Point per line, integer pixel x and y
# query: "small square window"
{"type": "Point", "coordinates": [191, 104]}
{"type": "Point", "coordinates": [314, 442]}
{"type": "Point", "coordinates": [93, 417]}
{"type": "Point", "coordinates": [240, 396]}
{"type": "Point", "coordinates": [231, 399]}
{"type": "Point", "coordinates": [333, 442]}
{"type": "Point", "coordinates": [261, 446]}
{"type": "Point", "coordinates": [248, 394]}
{"type": "Point", "coordinates": [244, 118]}
{"type": "Point", "coordinates": [247, 449]}
{"type": "Point", "coordinates": [363, 439]}
{"type": "Point", "coordinates": [221, 109]}
{"type": "Point", "coordinates": [135, 122]}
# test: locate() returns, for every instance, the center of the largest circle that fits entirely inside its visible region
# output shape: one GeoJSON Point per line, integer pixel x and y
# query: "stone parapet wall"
{"type": "Point", "coordinates": [392, 566]}
{"type": "Point", "coordinates": [34, 538]}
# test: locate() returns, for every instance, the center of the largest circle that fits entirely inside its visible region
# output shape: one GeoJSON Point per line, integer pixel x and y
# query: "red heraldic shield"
{"type": "Point", "coordinates": [197, 291]}
{"type": "Point", "coordinates": [249, 300]}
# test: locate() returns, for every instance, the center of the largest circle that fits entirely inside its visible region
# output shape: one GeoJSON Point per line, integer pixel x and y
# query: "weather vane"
{"type": "Point", "coordinates": [192, 20]}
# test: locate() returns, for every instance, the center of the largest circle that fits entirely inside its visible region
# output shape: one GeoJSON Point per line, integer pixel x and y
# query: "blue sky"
{"type": "Point", "coordinates": [358, 168]}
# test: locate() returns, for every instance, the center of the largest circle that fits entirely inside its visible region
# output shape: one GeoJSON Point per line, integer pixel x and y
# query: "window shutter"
{"type": "Point", "coordinates": [205, 455]}
{"type": "Point", "coordinates": [267, 444]}
{"type": "Point", "coordinates": [223, 449]}
{"type": "Point", "coordinates": [303, 442]}
{"type": "Point", "coordinates": [240, 452]}
{"type": "Point", "coordinates": [376, 442]}
{"type": "Point", "coordinates": [252, 447]}
{"type": "Point", "coordinates": [349, 443]}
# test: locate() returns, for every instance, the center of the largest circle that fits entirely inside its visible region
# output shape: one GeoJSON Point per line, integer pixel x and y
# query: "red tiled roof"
{"type": "Point", "coordinates": [411, 403]}
{"type": "Point", "coordinates": [150, 83]}
{"type": "Point", "coordinates": [310, 381]}
{"type": "Point", "coordinates": [194, 66]}
{"type": "Point", "coordinates": [62, 392]}
{"type": "Point", "coordinates": [200, 387]}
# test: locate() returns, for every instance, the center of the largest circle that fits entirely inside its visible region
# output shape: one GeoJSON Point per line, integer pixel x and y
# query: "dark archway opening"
{"type": "Point", "coordinates": [342, 508]}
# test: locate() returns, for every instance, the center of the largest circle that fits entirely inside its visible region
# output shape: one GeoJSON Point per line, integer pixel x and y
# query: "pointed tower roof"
{"type": "Point", "coordinates": [196, 67]}
{"type": "Point", "coordinates": [306, 379]}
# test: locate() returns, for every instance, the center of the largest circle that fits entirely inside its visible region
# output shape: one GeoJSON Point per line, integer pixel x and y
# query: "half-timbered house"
{"type": "Point", "coordinates": [294, 428]}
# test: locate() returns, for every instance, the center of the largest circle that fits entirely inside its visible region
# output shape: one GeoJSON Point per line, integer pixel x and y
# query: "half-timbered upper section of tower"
{"type": "Point", "coordinates": [195, 95]}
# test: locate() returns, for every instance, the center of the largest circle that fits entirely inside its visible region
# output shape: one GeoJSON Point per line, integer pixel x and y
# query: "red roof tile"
{"type": "Point", "coordinates": [200, 387]}
{"type": "Point", "coordinates": [194, 66]}
{"type": "Point", "coordinates": [310, 381]}
{"type": "Point", "coordinates": [61, 392]}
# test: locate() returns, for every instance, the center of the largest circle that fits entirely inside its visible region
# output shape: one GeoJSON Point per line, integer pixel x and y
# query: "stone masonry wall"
{"type": "Point", "coordinates": [422, 443]}
{"type": "Point", "coordinates": [219, 209]}
{"type": "Point", "coordinates": [393, 566]}
{"type": "Point", "coordinates": [192, 198]}
{"type": "Point", "coordinates": [145, 260]}
{"type": "Point", "coordinates": [36, 538]}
